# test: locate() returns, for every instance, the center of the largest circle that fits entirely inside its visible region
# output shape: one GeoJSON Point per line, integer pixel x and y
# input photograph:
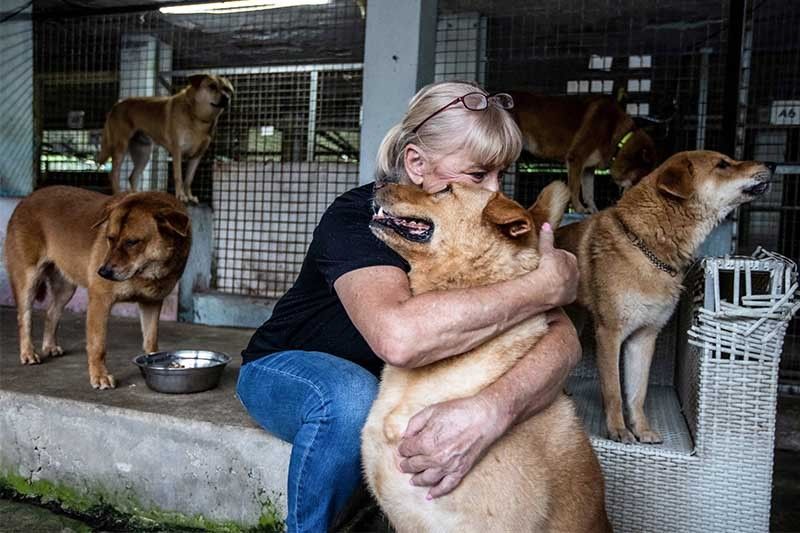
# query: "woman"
{"type": "Point", "coordinates": [310, 372]}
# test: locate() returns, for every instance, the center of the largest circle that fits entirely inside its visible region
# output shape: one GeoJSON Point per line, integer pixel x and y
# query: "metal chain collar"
{"type": "Point", "coordinates": [639, 243]}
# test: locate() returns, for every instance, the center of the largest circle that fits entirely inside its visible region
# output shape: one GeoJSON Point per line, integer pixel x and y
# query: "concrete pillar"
{"type": "Point", "coordinates": [142, 57]}
{"type": "Point", "coordinates": [16, 100]}
{"type": "Point", "coordinates": [398, 59]}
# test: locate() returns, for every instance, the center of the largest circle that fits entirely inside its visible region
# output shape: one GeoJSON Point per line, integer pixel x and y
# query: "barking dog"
{"type": "Point", "coordinates": [542, 475]}
{"type": "Point", "coordinates": [586, 132]}
{"type": "Point", "coordinates": [632, 259]}
{"type": "Point", "coordinates": [129, 247]}
{"type": "Point", "coordinates": [183, 124]}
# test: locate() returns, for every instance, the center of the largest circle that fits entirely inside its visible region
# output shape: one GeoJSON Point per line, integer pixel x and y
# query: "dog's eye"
{"type": "Point", "coordinates": [212, 86]}
{"type": "Point", "coordinates": [447, 190]}
{"type": "Point", "coordinates": [132, 242]}
{"type": "Point", "coordinates": [723, 164]}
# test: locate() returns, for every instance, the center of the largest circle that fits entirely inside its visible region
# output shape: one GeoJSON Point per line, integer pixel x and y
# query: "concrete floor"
{"type": "Point", "coordinates": [67, 377]}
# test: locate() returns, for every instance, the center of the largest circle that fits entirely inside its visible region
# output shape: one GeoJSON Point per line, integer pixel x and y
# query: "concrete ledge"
{"type": "Point", "coordinates": [160, 467]}
{"type": "Point", "coordinates": [190, 459]}
{"type": "Point", "coordinates": [222, 309]}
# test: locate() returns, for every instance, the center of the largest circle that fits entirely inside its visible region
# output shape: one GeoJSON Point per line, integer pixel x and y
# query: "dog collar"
{"type": "Point", "coordinates": [620, 144]}
{"type": "Point", "coordinates": [650, 254]}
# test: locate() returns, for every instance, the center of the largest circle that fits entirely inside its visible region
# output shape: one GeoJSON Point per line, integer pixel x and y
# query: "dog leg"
{"type": "Point", "coordinates": [140, 154]}
{"type": "Point", "coordinates": [96, 328]}
{"type": "Point", "coordinates": [61, 290]}
{"type": "Point", "coordinates": [638, 356]}
{"type": "Point", "coordinates": [148, 316]}
{"type": "Point", "coordinates": [587, 189]}
{"type": "Point", "coordinates": [24, 283]}
{"type": "Point", "coordinates": [180, 193]}
{"type": "Point", "coordinates": [574, 171]}
{"type": "Point", "coordinates": [191, 168]}
{"type": "Point", "coordinates": [608, 345]}
{"type": "Point", "coordinates": [117, 157]}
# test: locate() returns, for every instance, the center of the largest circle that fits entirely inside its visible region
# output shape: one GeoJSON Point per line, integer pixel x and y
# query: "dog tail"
{"type": "Point", "coordinates": [551, 204]}
{"type": "Point", "coordinates": [41, 291]}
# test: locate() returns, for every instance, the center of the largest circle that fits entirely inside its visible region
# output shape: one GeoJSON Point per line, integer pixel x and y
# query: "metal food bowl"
{"type": "Point", "coordinates": [182, 371]}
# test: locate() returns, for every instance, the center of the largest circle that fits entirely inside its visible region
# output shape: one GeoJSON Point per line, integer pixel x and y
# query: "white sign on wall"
{"type": "Point", "coordinates": [785, 113]}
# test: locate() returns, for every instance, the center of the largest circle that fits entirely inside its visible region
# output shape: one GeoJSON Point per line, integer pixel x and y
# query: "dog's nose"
{"type": "Point", "coordinates": [224, 100]}
{"type": "Point", "coordinates": [771, 165]}
{"type": "Point", "coordinates": [105, 272]}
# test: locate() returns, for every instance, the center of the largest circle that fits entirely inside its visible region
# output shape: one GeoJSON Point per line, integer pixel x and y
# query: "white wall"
{"type": "Point", "coordinates": [398, 60]}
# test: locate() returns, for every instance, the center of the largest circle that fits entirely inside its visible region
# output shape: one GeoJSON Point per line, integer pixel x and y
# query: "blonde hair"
{"type": "Point", "coordinates": [490, 137]}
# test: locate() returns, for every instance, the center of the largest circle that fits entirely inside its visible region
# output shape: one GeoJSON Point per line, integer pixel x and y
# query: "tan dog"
{"type": "Point", "coordinates": [129, 247]}
{"type": "Point", "coordinates": [585, 132]}
{"type": "Point", "coordinates": [542, 475]}
{"type": "Point", "coordinates": [632, 260]}
{"type": "Point", "coordinates": [183, 124]}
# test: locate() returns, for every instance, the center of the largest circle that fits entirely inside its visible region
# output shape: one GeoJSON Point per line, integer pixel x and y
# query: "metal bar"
{"type": "Point", "coordinates": [733, 72]}
{"type": "Point", "coordinates": [702, 99]}
{"type": "Point", "coordinates": [791, 168]}
{"type": "Point", "coordinates": [776, 209]}
{"type": "Point", "coordinates": [271, 69]}
{"type": "Point", "coordinates": [312, 114]}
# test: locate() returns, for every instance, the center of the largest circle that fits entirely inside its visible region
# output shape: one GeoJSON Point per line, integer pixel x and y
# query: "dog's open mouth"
{"type": "Point", "coordinates": [758, 189]}
{"type": "Point", "coordinates": [410, 228]}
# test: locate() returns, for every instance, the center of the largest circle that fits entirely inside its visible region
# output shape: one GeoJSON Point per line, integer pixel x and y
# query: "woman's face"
{"type": "Point", "coordinates": [433, 176]}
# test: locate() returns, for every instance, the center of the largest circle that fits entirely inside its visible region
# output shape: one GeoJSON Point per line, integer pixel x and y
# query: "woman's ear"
{"type": "Point", "coordinates": [415, 163]}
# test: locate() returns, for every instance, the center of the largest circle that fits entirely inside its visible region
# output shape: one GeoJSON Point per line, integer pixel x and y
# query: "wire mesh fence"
{"type": "Point", "coordinates": [770, 107]}
{"type": "Point", "coordinates": [284, 149]}
{"type": "Point", "coordinates": [289, 143]}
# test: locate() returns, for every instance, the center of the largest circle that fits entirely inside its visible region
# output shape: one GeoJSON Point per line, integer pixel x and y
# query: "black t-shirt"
{"type": "Point", "coordinates": [310, 316]}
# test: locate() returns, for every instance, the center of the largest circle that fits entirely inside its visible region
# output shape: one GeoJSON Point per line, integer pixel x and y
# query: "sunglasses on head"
{"type": "Point", "coordinates": [476, 101]}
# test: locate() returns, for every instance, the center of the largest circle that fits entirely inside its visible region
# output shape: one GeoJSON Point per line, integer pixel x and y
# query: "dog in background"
{"type": "Point", "coordinates": [183, 124]}
{"type": "Point", "coordinates": [633, 257]}
{"type": "Point", "coordinates": [540, 476]}
{"type": "Point", "coordinates": [128, 247]}
{"type": "Point", "coordinates": [585, 132]}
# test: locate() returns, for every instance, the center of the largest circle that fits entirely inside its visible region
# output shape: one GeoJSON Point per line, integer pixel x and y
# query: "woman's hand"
{"type": "Point", "coordinates": [559, 268]}
{"type": "Point", "coordinates": [444, 441]}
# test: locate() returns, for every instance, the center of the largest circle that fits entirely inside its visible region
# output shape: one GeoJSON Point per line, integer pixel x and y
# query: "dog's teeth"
{"type": "Point", "coordinates": [380, 212]}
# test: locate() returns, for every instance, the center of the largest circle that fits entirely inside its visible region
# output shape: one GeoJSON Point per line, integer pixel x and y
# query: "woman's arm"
{"type": "Point", "coordinates": [412, 331]}
{"type": "Point", "coordinates": [445, 440]}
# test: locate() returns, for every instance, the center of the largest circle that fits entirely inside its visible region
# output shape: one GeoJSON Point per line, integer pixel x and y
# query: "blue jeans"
{"type": "Point", "coordinates": [319, 403]}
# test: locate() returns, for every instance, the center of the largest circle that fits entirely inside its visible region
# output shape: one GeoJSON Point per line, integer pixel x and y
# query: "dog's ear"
{"type": "Point", "coordinates": [676, 179]}
{"type": "Point", "coordinates": [196, 79]}
{"type": "Point", "coordinates": [227, 84]}
{"type": "Point", "coordinates": [511, 217]}
{"type": "Point", "coordinates": [550, 205]}
{"type": "Point", "coordinates": [173, 221]}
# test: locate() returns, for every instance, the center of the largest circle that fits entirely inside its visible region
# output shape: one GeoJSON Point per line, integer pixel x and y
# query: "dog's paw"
{"type": "Point", "coordinates": [52, 350]}
{"type": "Point", "coordinates": [181, 196]}
{"type": "Point", "coordinates": [621, 434]}
{"type": "Point", "coordinates": [29, 358]}
{"type": "Point", "coordinates": [193, 199]}
{"type": "Point", "coordinates": [648, 436]}
{"type": "Point", "coordinates": [102, 381]}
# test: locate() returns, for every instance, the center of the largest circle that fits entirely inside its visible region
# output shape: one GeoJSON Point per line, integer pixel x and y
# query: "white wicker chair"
{"type": "Point", "coordinates": [712, 396]}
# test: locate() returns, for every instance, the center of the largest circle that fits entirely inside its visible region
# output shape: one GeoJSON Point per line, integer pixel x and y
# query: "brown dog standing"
{"type": "Point", "coordinates": [632, 259]}
{"type": "Point", "coordinates": [183, 124]}
{"type": "Point", "coordinates": [542, 475]}
{"type": "Point", "coordinates": [128, 247]}
{"type": "Point", "coordinates": [586, 132]}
